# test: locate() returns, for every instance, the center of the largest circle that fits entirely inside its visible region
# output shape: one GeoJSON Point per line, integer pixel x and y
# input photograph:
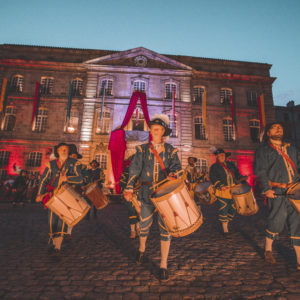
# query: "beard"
{"type": "Point", "coordinates": [276, 137]}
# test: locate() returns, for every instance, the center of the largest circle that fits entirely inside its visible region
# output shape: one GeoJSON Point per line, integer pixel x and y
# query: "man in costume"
{"type": "Point", "coordinates": [19, 188]}
{"type": "Point", "coordinates": [95, 173]}
{"type": "Point", "coordinates": [152, 163]}
{"type": "Point", "coordinates": [58, 172]}
{"type": "Point", "coordinates": [132, 213]}
{"type": "Point", "coordinates": [276, 163]}
{"type": "Point", "coordinates": [223, 175]}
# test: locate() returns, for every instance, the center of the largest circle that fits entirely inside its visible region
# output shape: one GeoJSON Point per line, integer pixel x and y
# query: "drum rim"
{"type": "Point", "coordinates": [175, 191]}
{"type": "Point", "coordinates": [238, 185]}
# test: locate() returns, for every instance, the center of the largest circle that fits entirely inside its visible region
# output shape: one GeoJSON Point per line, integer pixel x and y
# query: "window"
{"type": "Point", "coordinates": [170, 88]}
{"type": "Point", "coordinates": [254, 130]}
{"type": "Point", "coordinates": [34, 159]}
{"type": "Point", "coordinates": [41, 120]}
{"type": "Point", "coordinates": [198, 93]}
{"type": "Point", "coordinates": [102, 160]}
{"type": "Point", "coordinates": [103, 126]}
{"type": "Point", "coordinates": [225, 95]}
{"type": "Point", "coordinates": [138, 121]}
{"type": "Point", "coordinates": [228, 130]}
{"type": "Point", "coordinates": [252, 98]}
{"type": "Point", "coordinates": [3, 174]}
{"type": "Point", "coordinates": [17, 84]}
{"type": "Point", "coordinates": [9, 119]}
{"type": "Point", "coordinates": [4, 158]}
{"type": "Point", "coordinates": [202, 164]}
{"type": "Point", "coordinates": [46, 86]}
{"type": "Point", "coordinates": [200, 132]}
{"type": "Point", "coordinates": [77, 85]}
{"type": "Point", "coordinates": [173, 125]}
{"type": "Point", "coordinates": [106, 85]}
{"type": "Point", "coordinates": [139, 86]}
{"type": "Point", "coordinates": [72, 126]}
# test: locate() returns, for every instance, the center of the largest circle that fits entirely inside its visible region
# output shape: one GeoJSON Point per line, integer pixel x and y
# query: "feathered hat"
{"type": "Point", "coordinates": [162, 120]}
{"type": "Point", "coordinates": [217, 151]}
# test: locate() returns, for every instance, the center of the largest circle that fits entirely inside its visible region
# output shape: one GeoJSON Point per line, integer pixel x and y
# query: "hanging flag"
{"type": "Point", "coordinates": [233, 114]}
{"type": "Point", "coordinates": [69, 106]}
{"type": "Point", "coordinates": [3, 95]}
{"type": "Point", "coordinates": [173, 105]}
{"type": "Point", "coordinates": [102, 104]}
{"type": "Point", "coordinates": [261, 111]}
{"type": "Point", "coordinates": [36, 102]}
{"type": "Point", "coordinates": [204, 109]}
{"type": "Point", "coordinates": [137, 116]}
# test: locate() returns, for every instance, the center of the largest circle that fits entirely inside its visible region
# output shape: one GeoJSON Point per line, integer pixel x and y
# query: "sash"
{"type": "Point", "coordinates": [150, 145]}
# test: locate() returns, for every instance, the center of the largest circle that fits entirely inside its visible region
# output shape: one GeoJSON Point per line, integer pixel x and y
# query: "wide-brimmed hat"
{"type": "Point", "coordinates": [162, 120]}
{"type": "Point", "coordinates": [194, 158]}
{"type": "Point", "coordinates": [59, 145]}
{"type": "Point", "coordinates": [220, 150]}
{"type": "Point", "coordinates": [73, 150]}
{"type": "Point", "coordinates": [94, 161]}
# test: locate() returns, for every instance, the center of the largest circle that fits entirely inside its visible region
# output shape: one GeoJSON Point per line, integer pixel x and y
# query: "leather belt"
{"type": "Point", "coordinates": [148, 183]}
{"type": "Point", "coordinates": [279, 185]}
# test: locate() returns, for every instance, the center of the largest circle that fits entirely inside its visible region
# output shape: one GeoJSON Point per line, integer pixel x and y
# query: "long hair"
{"type": "Point", "coordinates": [265, 138]}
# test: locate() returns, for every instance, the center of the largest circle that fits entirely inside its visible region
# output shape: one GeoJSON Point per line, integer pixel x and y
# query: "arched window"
{"type": "Point", "coordinates": [139, 86]}
{"type": "Point", "coordinates": [9, 119]}
{"type": "Point", "coordinates": [198, 93]}
{"type": "Point", "coordinates": [17, 84]}
{"type": "Point", "coordinates": [202, 164]}
{"type": "Point", "coordinates": [228, 130]}
{"type": "Point", "coordinates": [101, 158]}
{"type": "Point", "coordinates": [34, 159]}
{"type": "Point", "coordinates": [41, 120]}
{"type": "Point", "coordinates": [4, 158]}
{"type": "Point", "coordinates": [173, 125]}
{"type": "Point", "coordinates": [225, 95]}
{"type": "Point", "coordinates": [170, 88]}
{"type": "Point", "coordinates": [200, 132]}
{"type": "Point", "coordinates": [106, 85]}
{"type": "Point", "coordinates": [103, 125]}
{"type": "Point", "coordinates": [77, 87]}
{"type": "Point", "coordinates": [254, 130]}
{"type": "Point", "coordinates": [46, 85]}
{"type": "Point", "coordinates": [138, 121]}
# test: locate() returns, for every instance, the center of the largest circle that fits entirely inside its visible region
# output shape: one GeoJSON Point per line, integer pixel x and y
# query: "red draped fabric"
{"type": "Point", "coordinates": [117, 143]}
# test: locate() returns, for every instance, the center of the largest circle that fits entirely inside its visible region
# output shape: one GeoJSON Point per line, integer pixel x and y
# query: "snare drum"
{"type": "Point", "coordinates": [176, 207]}
{"type": "Point", "coordinates": [68, 205]}
{"type": "Point", "coordinates": [96, 195]}
{"type": "Point", "coordinates": [205, 193]}
{"type": "Point", "coordinates": [244, 199]}
{"type": "Point", "coordinates": [293, 194]}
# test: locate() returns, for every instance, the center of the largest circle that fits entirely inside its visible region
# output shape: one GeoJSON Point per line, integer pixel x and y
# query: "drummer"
{"type": "Point", "coordinates": [152, 170]}
{"type": "Point", "coordinates": [223, 175]}
{"type": "Point", "coordinates": [132, 214]}
{"type": "Point", "coordinates": [276, 163]}
{"type": "Point", "coordinates": [57, 172]}
{"type": "Point", "coordinates": [95, 174]}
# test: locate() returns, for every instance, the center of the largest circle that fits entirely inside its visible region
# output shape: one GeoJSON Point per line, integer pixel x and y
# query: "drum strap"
{"type": "Point", "coordinates": [227, 169]}
{"type": "Point", "coordinates": [150, 145]}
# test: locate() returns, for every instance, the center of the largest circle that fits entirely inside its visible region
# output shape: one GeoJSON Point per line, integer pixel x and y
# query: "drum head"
{"type": "Point", "coordinates": [166, 188]}
{"type": "Point", "coordinates": [201, 187]}
{"type": "Point", "coordinates": [294, 193]}
{"type": "Point", "coordinates": [241, 189]}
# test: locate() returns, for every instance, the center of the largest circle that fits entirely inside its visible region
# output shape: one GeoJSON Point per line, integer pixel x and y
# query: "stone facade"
{"type": "Point", "coordinates": [122, 69]}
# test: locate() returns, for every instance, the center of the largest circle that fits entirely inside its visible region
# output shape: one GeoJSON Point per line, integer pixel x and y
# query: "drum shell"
{"type": "Point", "coordinates": [96, 195]}
{"type": "Point", "coordinates": [291, 190]}
{"type": "Point", "coordinates": [245, 203]}
{"type": "Point", "coordinates": [68, 205]}
{"type": "Point", "coordinates": [178, 210]}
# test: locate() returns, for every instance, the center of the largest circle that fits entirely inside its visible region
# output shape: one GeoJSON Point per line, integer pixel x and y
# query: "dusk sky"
{"type": "Point", "coordinates": [265, 31]}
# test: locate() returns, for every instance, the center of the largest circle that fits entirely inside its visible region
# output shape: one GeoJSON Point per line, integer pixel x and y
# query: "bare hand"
{"type": "Point", "coordinates": [223, 188]}
{"type": "Point", "coordinates": [172, 176]}
{"type": "Point", "coordinates": [64, 178]}
{"type": "Point", "coordinates": [270, 194]}
{"type": "Point", "coordinates": [39, 198]}
{"type": "Point", "coordinates": [128, 196]}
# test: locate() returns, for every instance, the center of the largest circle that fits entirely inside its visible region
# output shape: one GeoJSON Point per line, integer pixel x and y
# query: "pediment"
{"type": "Point", "coordinates": [138, 57]}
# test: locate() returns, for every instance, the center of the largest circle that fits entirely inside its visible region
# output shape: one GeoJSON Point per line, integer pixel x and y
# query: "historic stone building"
{"type": "Point", "coordinates": [111, 77]}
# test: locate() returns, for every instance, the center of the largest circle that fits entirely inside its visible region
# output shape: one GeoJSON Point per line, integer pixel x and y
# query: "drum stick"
{"type": "Point", "coordinates": [161, 182]}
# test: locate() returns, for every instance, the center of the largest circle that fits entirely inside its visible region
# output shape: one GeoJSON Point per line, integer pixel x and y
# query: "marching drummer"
{"type": "Point", "coordinates": [95, 174]}
{"type": "Point", "coordinates": [223, 175]}
{"type": "Point", "coordinates": [132, 214]}
{"type": "Point", "coordinates": [276, 163]}
{"type": "Point", "coordinates": [152, 163]}
{"type": "Point", "coordinates": [57, 172]}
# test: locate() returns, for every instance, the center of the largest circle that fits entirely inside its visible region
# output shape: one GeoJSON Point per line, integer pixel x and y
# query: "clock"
{"type": "Point", "coordinates": [140, 61]}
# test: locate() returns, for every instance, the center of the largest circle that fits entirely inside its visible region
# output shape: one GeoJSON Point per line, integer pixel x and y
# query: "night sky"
{"type": "Point", "coordinates": [265, 31]}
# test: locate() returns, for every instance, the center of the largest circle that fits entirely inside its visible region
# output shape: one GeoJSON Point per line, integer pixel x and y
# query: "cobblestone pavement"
{"type": "Point", "coordinates": [99, 262]}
